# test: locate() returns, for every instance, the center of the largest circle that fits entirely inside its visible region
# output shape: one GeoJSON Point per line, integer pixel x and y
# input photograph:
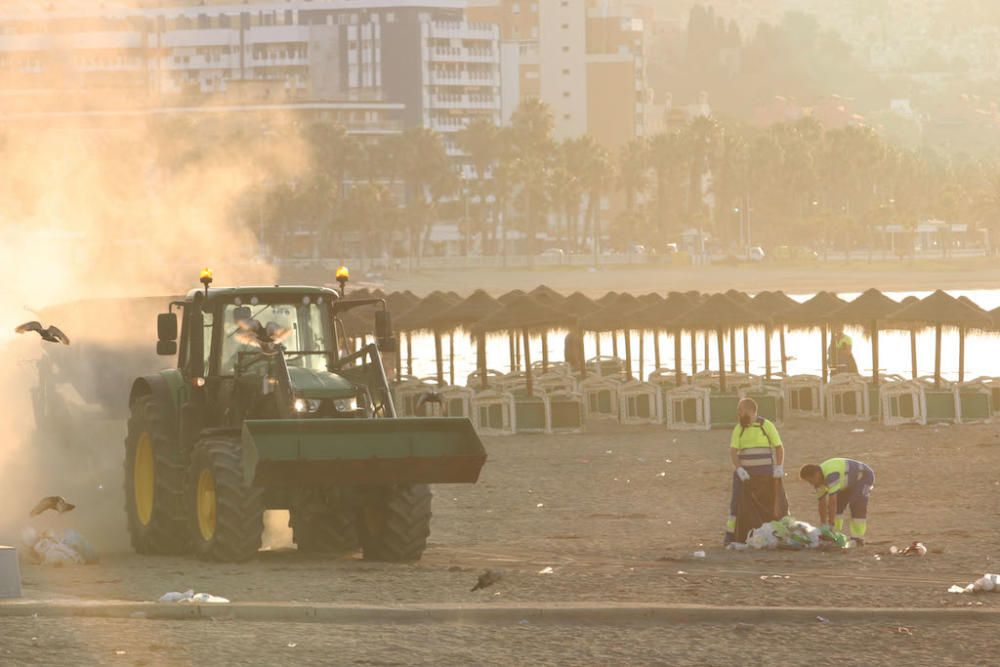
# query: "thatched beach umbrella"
{"type": "Point", "coordinates": [815, 313]}
{"type": "Point", "coordinates": [743, 299]}
{"type": "Point", "coordinates": [398, 303]}
{"type": "Point", "coordinates": [661, 317]}
{"type": "Point", "coordinates": [614, 317]}
{"type": "Point", "coordinates": [465, 314]}
{"type": "Point", "coordinates": [547, 297]}
{"type": "Point", "coordinates": [423, 317]}
{"type": "Point", "coordinates": [773, 305]}
{"type": "Point", "coordinates": [718, 313]}
{"type": "Point", "coordinates": [577, 306]}
{"type": "Point", "coordinates": [526, 315]}
{"type": "Point", "coordinates": [866, 311]}
{"type": "Point", "coordinates": [939, 310]}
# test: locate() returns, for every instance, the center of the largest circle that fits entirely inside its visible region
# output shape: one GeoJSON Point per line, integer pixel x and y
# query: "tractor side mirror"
{"type": "Point", "coordinates": [383, 331]}
{"type": "Point", "coordinates": [166, 348]}
{"type": "Point", "coordinates": [166, 327]}
{"type": "Point", "coordinates": [166, 334]}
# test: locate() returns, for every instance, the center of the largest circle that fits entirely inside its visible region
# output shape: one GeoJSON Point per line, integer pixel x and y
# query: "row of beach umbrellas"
{"type": "Point", "coordinates": [522, 315]}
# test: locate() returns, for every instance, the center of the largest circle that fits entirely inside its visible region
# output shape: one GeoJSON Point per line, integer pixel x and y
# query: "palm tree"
{"type": "Point", "coordinates": [528, 155]}
{"type": "Point", "coordinates": [481, 141]}
{"type": "Point", "coordinates": [633, 177]}
{"type": "Point", "coordinates": [596, 172]}
{"type": "Point", "coordinates": [667, 158]}
{"type": "Point", "coordinates": [425, 169]}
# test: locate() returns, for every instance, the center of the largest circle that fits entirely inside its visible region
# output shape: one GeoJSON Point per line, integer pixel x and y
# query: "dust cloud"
{"type": "Point", "coordinates": [110, 208]}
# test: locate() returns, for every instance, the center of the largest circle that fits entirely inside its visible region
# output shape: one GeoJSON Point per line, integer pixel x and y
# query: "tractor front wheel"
{"type": "Point", "coordinates": [227, 515]}
{"type": "Point", "coordinates": [154, 483]}
{"type": "Point", "coordinates": [327, 528]}
{"type": "Point", "coordinates": [395, 522]}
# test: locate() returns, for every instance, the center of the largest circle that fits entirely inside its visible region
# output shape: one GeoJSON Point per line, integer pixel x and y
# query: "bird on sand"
{"type": "Point", "coordinates": [57, 503]}
{"type": "Point", "coordinates": [52, 334]}
{"type": "Point", "coordinates": [487, 579]}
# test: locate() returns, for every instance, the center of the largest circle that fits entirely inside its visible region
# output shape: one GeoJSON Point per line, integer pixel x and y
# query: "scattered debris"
{"type": "Point", "coordinates": [791, 534]}
{"type": "Point", "coordinates": [987, 583]}
{"type": "Point", "coordinates": [48, 548]}
{"type": "Point", "coordinates": [540, 505]}
{"type": "Point", "coordinates": [699, 554]}
{"type": "Point", "coordinates": [57, 503]}
{"type": "Point", "coordinates": [190, 597]}
{"type": "Point", "coordinates": [904, 631]}
{"type": "Point", "coordinates": [857, 430]}
{"type": "Point", "coordinates": [487, 579]}
{"type": "Point", "coordinates": [546, 570]}
{"type": "Point", "coordinates": [822, 619]}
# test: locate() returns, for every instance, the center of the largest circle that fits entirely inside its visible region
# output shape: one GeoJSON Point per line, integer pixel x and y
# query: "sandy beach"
{"type": "Point", "coordinates": [617, 514]}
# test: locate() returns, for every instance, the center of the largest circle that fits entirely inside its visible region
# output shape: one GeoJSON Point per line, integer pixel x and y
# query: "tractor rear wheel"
{"type": "Point", "coordinates": [395, 522]}
{"type": "Point", "coordinates": [331, 528]}
{"type": "Point", "coordinates": [154, 483]}
{"type": "Point", "coordinates": [226, 515]}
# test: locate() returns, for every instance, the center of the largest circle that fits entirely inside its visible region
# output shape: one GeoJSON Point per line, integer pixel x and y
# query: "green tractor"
{"type": "Point", "coordinates": [268, 408]}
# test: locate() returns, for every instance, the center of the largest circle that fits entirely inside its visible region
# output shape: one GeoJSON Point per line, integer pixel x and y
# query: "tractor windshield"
{"type": "Point", "coordinates": [301, 328]}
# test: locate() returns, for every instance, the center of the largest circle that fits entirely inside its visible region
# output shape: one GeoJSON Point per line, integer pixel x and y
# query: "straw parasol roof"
{"type": "Point", "coordinates": [662, 315]}
{"type": "Point", "coordinates": [870, 307]}
{"type": "Point", "coordinates": [651, 298]}
{"type": "Point", "coordinates": [544, 292]}
{"type": "Point", "coordinates": [739, 297]}
{"type": "Point", "coordinates": [773, 305]}
{"type": "Point", "coordinates": [814, 312]}
{"type": "Point", "coordinates": [616, 314]}
{"type": "Point", "coordinates": [941, 308]}
{"type": "Point", "coordinates": [525, 312]}
{"type": "Point", "coordinates": [510, 296]}
{"type": "Point", "coordinates": [578, 305]}
{"type": "Point", "coordinates": [718, 312]}
{"type": "Point", "coordinates": [424, 315]}
{"type": "Point", "coordinates": [470, 310]}
{"type": "Point", "coordinates": [607, 299]}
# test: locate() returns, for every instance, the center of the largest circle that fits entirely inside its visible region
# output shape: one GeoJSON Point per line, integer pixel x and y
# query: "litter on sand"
{"type": "Point", "coordinates": [546, 570]}
{"type": "Point", "coordinates": [915, 549]}
{"type": "Point", "coordinates": [699, 554]}
{"type": "Point", "coordinates": [49, 548]}
{"type": "Point", "coordinates": [190, 597]}
{"type": "Point", "coordinates": [988, 583]}
{"type": "Point", "coordinates": [788, 533]}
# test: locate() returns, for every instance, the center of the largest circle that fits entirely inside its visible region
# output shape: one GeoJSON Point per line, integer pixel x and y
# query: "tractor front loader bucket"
{"type": "Point", "coordinates": [359, 452]}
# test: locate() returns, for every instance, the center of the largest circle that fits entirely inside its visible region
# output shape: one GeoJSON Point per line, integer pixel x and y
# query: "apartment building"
{"type": "Point", "coordinates": [585, 59]}
{"type": "Point", "coordinates": [413, 62]}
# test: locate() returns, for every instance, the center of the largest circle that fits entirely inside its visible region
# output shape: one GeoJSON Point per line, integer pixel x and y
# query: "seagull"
{"type": "Point", "coordinates": [255, 334]}
{"type": "Point", "coordinates": [57, 503]}
{"type": "Point", "coordinates": [487, 579]}
{"type": "Point", "coordinates": [429, 397]}
{"type": "Point", "coordinates": [52, 334]}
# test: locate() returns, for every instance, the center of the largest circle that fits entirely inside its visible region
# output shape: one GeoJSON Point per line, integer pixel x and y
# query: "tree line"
{"type": "Point", "coordinates": [794, 184]}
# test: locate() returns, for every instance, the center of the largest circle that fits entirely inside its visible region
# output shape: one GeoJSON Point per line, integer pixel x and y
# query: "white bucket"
{"type": "Point", "coordinates": [10, 574]}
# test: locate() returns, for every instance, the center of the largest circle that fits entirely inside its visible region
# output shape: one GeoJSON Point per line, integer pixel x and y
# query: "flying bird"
{"type": "Point", "coordinates": [255, 334]}
{"type": "Point", "coordinates": [487, 579]}
{"type": "Point", "coordinates": [52, 335]}
{"type": "Point", "coordinates": [57, 503]}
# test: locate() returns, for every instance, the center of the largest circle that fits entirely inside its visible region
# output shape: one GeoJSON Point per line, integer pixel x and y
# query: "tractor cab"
{"type": "Point", "coordinates": [276, 353]}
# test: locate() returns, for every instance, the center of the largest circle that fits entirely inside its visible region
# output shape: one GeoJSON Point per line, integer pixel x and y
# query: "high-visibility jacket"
{"type": "Point", "coordinates": [756, 443]}
{"type": "Point", "coordinates": [840, 474]}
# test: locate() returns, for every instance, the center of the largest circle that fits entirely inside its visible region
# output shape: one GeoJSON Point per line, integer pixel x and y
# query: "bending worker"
{"type": "Point", "coordinates": [841, 484]}
{"type": "Point", "coordinates": [757, 455]}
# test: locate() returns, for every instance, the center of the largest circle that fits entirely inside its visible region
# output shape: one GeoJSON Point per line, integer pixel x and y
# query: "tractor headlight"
{"type": "Point", "coordinates": [306, 405]}
{"type": "Point", "coordinates": [346, 404]}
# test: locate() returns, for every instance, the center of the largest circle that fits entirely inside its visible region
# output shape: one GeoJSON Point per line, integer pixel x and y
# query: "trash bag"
{"type": "Point", "coordinates": [761, 500]}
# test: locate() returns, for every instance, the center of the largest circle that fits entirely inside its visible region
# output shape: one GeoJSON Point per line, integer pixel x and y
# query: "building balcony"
{"type": "Point", "coordinates": [464, 78]}
{"type": "Point", "coordinates": [445, 101]}
{"type": "Point", "coordinates": [451, 54]}
{"type": "Point", "coordinates": [461, 30]}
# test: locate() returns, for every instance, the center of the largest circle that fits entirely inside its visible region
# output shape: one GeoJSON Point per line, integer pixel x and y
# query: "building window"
{"type": "Point", "coordinates": [515, 8]}
{"type": "Point", "coordinates": [565, 49]}
{"type": "Point", "coordinates": [565, 93]}
{"type": "Point", "coordinates": [565, 72]}
{"type": "Point", "coordinates": [565, 26]}
{"type": "Point", "coordinates": [566, 116]}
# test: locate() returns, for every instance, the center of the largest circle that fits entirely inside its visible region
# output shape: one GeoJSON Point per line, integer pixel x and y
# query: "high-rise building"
{"type": "Point", "coordinates": [586, 59]}
{"type": "Point", "coordinates": [92, 56]}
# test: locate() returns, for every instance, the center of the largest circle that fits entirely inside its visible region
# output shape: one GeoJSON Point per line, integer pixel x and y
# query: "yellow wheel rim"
{"type": "Point", "coordinates": [206, 504]}
{"type": "Point", "coordinates": [143, 479]}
